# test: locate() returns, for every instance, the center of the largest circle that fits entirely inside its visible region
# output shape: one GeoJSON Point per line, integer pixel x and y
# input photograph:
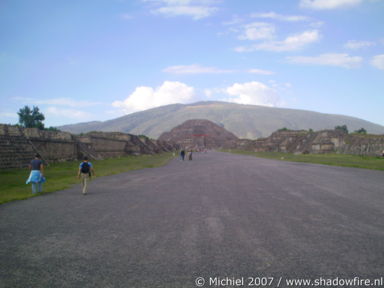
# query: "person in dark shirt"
{"type": "Point", "coordinates": [36, 177]}
{"type": "Point", "coordinates": [182, 154]}
{"type": "Point", "coordinates": [85, 172]}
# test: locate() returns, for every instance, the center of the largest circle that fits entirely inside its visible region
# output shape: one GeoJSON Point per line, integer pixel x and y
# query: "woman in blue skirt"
{"type": "Point", "coordinates": [36, 177]}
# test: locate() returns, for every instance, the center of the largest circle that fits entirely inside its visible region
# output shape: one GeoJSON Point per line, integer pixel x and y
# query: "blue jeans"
{"type": "Point", "coordinates": [36, 187]}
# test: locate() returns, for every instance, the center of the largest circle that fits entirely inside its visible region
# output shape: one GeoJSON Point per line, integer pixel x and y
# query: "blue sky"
{"type": "Point", "coordinates": [84, 60]}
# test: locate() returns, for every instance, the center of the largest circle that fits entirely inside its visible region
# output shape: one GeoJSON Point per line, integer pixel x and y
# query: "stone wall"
{"type": "Point", "coordinates": [363, 144]}
{"type": "Point", "coordinates": [54, 146]}
{"type": "Point", "coordinates": [15, 149]}
{"type": "Point", "coordinates": [327, 141]}
{"type": "Point", "coordinates": [18, 145]}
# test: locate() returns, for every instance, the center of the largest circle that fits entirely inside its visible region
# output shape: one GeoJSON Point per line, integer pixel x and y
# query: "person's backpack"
{"type": "Point", "coordinates": [85, 168]}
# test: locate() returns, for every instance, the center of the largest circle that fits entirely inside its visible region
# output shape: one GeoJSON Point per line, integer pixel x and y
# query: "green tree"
{"type": "Point", "coordinates": [52, 129]}
{"type": "Point", "coordinates": [31, 118]}
{"type": "Point", "coordinates": [361, 131]}
{"type": "Point", "coordinates": [343, 128]}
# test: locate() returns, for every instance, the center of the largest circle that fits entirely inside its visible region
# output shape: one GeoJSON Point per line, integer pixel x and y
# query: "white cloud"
{"type": "Point", "coordinates": [195, 69]}
{"type": "Point", "coordinates": [236, 20]}
{"type": "Point", "coordinates": [144, 97]}
{"type": "Point", "coordinates": [316, 24]}
{"type": "Point", "coordinates": [198, 69]}
{"type": "Point", "coordinates": [328, 4]}
{"type": "Point", "coordinates": [355, 45]}
{"type": "Point", "coordinates": [255, 93]}
{"type": "Point", "coordinates": [378, 61]}
{"type": "Point", "coordinates": [196, 12]}
{"type": "Point", "coordinates": [280, 17]}
{"type": "Point", "coordinates": [331, 59]}
{"type": "Point", "coordinates": [68, 113]}
{"type": "Point", "coordinates": [260, 72]}
{"type": "Point", "coordinates": [197, 9]}
{"type": "Point", "coordinates": [257, 31]}
{"type": "Point", "coordinates": [291, 43]}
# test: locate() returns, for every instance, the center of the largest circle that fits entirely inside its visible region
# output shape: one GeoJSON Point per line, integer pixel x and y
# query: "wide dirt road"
{"type": "Point", "coordinates": [220, 215]}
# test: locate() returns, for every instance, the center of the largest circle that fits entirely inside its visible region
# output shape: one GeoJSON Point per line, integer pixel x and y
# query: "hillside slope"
{"type": "Point", "coordinates": [245, 121]}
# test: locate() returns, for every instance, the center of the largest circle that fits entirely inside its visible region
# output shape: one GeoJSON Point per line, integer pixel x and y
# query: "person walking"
{"type": "Point", "coordinates": [36, 177]}
{"type": "Point", "coordinates": [190, 155]}
{"type": "Point", "coordinates": [182, 154]}
{"type": "Point", "coordinates": [85, 173]}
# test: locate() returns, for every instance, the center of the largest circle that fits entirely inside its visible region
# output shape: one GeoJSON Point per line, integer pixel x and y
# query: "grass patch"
{"type": "Point", "coordinates": [333, 159]}
{"type": "Point", "coordinates": [62, 175]}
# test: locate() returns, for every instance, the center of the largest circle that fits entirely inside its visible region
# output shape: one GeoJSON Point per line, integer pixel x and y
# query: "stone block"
{"type": "Point", "coordinates": [14, 131]}
{"type": "Point", "coordinates": [3, 129]}
{"type": "Point", "coordinates": [316, 147]}
{"type": "Point", "coordinates": [32, 132]}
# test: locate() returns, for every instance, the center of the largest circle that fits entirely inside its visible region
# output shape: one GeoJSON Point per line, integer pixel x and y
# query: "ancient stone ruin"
{"type": "Point", "coordinates": [19, 145]}
{"type": "Point", "coordinates": [326, 141]}
{"type": "Point", "coordinates": [195, 134]}
{"type": "Point", "coordinates": [198, 134]}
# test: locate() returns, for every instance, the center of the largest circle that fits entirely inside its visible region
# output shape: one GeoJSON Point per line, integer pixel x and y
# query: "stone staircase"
{"type": "Point", "coordinates": [15, 150]}
{"type": "Point", "coordinates": [87, 151]}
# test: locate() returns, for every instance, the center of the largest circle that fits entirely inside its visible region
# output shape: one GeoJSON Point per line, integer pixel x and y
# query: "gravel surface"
{"type": "Point", "coordinates": [220, 215]}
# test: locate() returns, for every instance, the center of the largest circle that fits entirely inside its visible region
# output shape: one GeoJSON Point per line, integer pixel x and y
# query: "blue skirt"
{"type": "Point", "coordinates": [35, 177]}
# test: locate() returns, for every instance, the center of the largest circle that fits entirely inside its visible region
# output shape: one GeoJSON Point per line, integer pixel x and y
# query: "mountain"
{"type": "Point", "coordinates": [200, 133]}
{"type": "Point", "coordinates": [245, 121]}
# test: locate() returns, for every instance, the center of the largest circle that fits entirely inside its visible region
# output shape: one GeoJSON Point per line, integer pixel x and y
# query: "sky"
{"type": "Point", "coordinates": [86, 60]}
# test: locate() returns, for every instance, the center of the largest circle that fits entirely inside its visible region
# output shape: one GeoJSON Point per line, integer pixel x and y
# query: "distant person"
{"type": "Point", "coordinates": [190, 155]}
{"type": "Point", "coordinates": [382, 153]}
{"type": "Point", "coordinates": [36, 177]}
{"type": "Point", "coordinates": [85, 173]}
{"type": "Point", "coordinates": [182, 154]}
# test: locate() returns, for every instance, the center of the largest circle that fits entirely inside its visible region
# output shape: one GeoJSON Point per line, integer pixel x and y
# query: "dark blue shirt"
{"type": "Point", "coordinates": [36, 164]}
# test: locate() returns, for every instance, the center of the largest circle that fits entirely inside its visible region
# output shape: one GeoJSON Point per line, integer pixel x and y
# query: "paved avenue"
{"type": "Point", "coordinates": [220, 215]}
